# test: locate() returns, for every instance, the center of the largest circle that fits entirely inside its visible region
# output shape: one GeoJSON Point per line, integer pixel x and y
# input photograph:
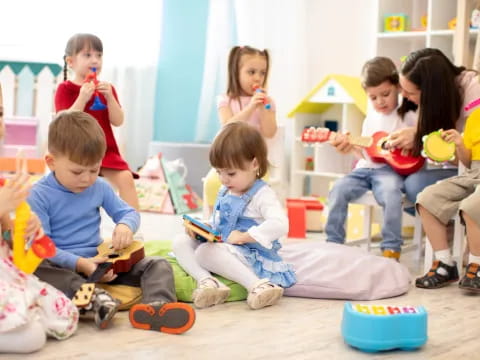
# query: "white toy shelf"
{"type": "Point", "coordinates": [338, 100]}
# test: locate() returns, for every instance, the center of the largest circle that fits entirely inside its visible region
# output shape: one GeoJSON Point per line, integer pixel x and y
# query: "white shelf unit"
{"type": "Point", "coordinates": [328, 163]}
{"type": "Point", "coordinates": [436, 35]}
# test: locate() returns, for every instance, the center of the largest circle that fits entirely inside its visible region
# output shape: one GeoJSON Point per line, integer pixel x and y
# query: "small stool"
{"type": "Point", "coordinates": [297, 219]}
{"type": "Point", "coordinates": [373, 328]}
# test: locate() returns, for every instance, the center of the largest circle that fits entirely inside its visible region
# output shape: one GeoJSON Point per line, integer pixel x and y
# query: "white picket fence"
{"type": "Point", "coordinates": [28, 92]}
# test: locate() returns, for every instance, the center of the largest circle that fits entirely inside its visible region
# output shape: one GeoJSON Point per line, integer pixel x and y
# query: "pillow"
{"type": "Point", "coordinates": [184, 283]}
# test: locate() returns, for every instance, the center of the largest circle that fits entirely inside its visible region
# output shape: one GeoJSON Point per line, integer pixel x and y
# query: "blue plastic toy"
{"type": "Point", "coordinates": [373, 328]}
{"type": "Point", "coordinates": [202, 231]}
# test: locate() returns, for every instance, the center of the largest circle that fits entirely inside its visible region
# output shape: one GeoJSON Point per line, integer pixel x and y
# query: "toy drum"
{"type": "Point", "coordinates": [437, 149]}
{"type": "Point", "coordinates": [373, 328]}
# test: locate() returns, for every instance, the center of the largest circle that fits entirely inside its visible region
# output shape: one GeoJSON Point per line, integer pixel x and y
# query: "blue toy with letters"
{"type": "Point", "coordinates": [373, 328]}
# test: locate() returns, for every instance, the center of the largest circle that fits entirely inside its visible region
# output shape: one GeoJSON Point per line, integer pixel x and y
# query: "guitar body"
{"type": "Point", "coordinates": [122, 260]}
{"type": "Point", "coordinates": [402, 164]}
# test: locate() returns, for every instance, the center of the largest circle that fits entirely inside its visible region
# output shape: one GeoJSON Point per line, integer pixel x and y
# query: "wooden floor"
{"type": "Point", "coordinates": [296, 328]}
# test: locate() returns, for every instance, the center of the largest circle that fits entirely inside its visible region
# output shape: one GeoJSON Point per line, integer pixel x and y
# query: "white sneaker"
{"type": "Point", "coordinates": [264, 294]}
{"type": "Point", "coordinates": [210, 292]}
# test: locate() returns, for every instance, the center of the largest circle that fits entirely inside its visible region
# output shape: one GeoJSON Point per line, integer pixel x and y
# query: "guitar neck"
{"type": "Point", "coordinates": [363, 141]}
{"type": "Point", "coordinates": [324, 134]}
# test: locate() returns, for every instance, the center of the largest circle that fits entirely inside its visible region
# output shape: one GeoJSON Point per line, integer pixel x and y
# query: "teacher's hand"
{"type": "Point", "coordinates": [403, 138]}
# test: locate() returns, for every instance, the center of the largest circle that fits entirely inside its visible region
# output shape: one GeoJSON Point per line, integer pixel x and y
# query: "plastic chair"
{"type": "Point", "coordinates": [368, 200]}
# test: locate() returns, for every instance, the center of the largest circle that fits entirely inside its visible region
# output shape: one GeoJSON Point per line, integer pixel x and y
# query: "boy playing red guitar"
{"type": "Point", "coordinates": [380, 81]}
{"type": "Point", "coordinates": [379, 151]}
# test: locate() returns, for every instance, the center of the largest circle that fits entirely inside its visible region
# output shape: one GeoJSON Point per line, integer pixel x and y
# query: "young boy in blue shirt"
{"type": "Point", "coordinates": [68, 202]}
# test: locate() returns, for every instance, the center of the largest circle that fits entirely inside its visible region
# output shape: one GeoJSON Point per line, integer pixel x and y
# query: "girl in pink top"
{"type": "Point", "coordinates": [246, 100]}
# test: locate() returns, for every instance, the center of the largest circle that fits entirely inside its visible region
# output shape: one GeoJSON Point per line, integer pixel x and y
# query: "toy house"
{"type": "Point", "coordinates": [339, 103]}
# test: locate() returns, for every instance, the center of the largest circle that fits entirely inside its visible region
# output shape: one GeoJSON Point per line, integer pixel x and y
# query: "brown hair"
{"type": "Point", "coordinates": [378, 70]}
{"type": "Point", "coordinates": [234, 89]}
{"type": "Point", "coordinates": [235, 145]}
{"type": "Point", "coordinates": [440, 97]}
{"type": "Point", "coordinates": [77, 43]}
{"type": "Point", "coordinates": [78, 136]}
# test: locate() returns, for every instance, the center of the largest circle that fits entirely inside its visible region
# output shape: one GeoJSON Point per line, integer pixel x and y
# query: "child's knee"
{"type": "Point", "coordinates": [181, 241]}
{"type": "Point", "coordinates": [125, 177]}
{"type": "Point", "coordinates": [470, 206]}
{"type": "Point", "coordinates": [205, 250]}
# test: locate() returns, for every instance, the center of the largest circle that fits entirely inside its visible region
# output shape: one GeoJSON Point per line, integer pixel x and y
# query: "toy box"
{"type": "Point", "coordinates": [305, 214]}
{"type": "Point", "coordinates": [20, 133]}
{"type": "Point", "coordinates": [396, 22]}
{"type": "Point", "coordinates": [374, 328]}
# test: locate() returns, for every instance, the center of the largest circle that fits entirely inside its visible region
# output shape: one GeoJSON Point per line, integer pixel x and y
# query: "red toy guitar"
{"type": "Point", "coordinates": [376, 148]}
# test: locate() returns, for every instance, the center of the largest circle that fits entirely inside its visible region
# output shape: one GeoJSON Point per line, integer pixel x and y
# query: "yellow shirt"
{"type": "Point", "coordinates": [471, 134]}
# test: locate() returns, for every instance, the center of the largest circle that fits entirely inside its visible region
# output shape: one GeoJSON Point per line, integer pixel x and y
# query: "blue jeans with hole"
{"type": "Point", "coordinates": [387, 188]}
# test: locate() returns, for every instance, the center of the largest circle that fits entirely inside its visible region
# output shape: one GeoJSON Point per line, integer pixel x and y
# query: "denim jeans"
{"type": "Point", "coordinates": [415, 183]}
{"type": "Point", "coordinates": [387, 187]}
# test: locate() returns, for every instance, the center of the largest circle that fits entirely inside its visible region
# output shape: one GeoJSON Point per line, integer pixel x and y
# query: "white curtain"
{"type": "Point", "coordinates": [130, 32]}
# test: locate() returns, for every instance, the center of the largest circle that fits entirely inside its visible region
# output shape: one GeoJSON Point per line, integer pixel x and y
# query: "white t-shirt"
{"type": "Point", "coordinates": [268, 213]}
{"type": "Point", "coordinates": [380, 122]}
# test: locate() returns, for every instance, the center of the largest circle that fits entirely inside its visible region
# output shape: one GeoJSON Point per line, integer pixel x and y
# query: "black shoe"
{"type": "Point", "coordinates": [471, 280]}
{"type": "Point", "coordinates": [435, 279]}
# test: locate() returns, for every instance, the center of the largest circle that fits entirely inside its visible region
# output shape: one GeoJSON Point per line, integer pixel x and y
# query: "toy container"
{"type": "Point", "coordinates": [373, 328]}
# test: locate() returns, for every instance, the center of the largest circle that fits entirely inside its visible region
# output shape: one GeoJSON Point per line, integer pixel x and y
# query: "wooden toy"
{"type": "Point", "coordinates": [121, 260]}
{"type": "Point", "coordinates": [202, 231]}
{"type": "Point", "coordinates": [378, 151]}
{"type": "Point", "coordinates": [97, 103]}
{"type": "Point", "coordinates": [84, 295]}
{"type": "Point", "coordinates": [373, 328]}
{"type": "Point", "coordinates": [436, 149]}
{"type": "Point", "coordinates": [395, 23]}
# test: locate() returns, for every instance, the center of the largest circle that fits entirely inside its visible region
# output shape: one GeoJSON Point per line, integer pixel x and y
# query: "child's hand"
{"type": "Point", "coordinates": [86, 91]}
{"type": "Point", "coordinates": [122, 237]}
{"type": "Point", "coordinates": [13, 193]}
{"type": "Point", "coordinates": [257, 99]}
{"type": "Point", "coordinates": [105, 89]}
{"type": "Point", "coordinates": [6, 222]}
{"type": "Point", "coordinates": [239, 238]}
{"type": "Point", "coordinates": [402, 138]}
{"type": "Point", "coordinates": [341, 143]}
{"type": "Point", "coordinates": [452, 135]}
{"type": "Point", "coordinates": [190, 232]}
{"type": "Point", "coordinates": [88, 266]}
{"type": "Point", "coordinates": [34, 227]}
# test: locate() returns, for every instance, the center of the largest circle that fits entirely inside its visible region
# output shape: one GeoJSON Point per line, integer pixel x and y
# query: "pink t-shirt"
{"type": "Point", "coordinates": [236, 106]}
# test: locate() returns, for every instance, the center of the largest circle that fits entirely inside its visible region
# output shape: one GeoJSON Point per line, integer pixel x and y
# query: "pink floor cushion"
{"type": "Point", "coordinates": [333, 271]}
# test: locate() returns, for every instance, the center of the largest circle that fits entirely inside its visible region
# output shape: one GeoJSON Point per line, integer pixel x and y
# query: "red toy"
{"type": "Point", "coordinates": [473, 104]}
{"type": "Point", "coordinates": [378, 152]}
{"type": "Point", "coordinates": [97, 103]}
{"type": "Point", "coordinates": [256, 88]}
{"type": "Point", "coordinates": [309, 135]}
